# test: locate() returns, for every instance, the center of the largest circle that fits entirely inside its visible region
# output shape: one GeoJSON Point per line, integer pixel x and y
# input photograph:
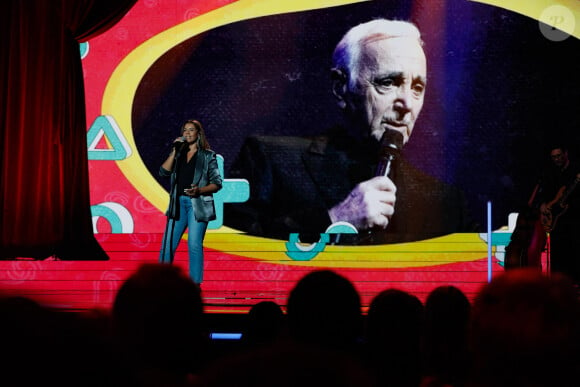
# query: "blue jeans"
{"type": "Point", "coordinates": [196, 232]}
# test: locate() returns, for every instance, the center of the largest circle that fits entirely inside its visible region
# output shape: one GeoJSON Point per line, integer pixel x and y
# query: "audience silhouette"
{"type": "Point", "coordinates": [158, 326]}
{"type": "Point", "coordinates": [321, 348]}
{"type": "Point", "coordinates": [522, 329]}
{"type": "Point", "coordinates": [393, 337]}
{"type": "Point", "coordinates": [324, 309]}
{"type": "Point", "coordinates": [265, 325]}
{"type": "Point", "coordinates": [24, 332]}
{"type": "Point", "coordinates": [287, 364]}
{"type": "Point", "coordinates": [42, 346]}
{"type": "Point", "coordinates": [444, 350]}
{"type": "Point", "coordinates": [525, 331]}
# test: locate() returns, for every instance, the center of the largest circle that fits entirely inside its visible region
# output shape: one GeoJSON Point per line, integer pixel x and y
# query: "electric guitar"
{"type": "Point", "coordinates": [558, 206]}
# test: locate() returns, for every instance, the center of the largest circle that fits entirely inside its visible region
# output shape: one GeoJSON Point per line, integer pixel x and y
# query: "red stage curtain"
{"type": "Point", "coordinates": [44, 187]}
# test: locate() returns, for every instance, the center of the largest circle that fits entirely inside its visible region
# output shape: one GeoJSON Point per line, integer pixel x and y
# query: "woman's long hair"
{"type": "Point", "coordinates": [201, 139]}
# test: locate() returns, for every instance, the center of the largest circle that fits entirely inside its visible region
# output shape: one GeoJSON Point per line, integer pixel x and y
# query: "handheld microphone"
{"type": "Point", "coordinates": [180, 143]}
{"type": "Point", "coordinates": [390, 148]}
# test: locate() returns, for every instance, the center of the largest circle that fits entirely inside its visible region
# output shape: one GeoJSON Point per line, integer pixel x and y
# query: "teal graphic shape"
{"type": "Point", "coordinates": [233, 191]}
{"type": "Point", "coordinates": [114, 218]}
{"type": "Point", "coordinates": [84, 49]}
{"type": "Point", "coordinates": [105, 126]}
{"type": "Point", "coordinates": [299, 252]}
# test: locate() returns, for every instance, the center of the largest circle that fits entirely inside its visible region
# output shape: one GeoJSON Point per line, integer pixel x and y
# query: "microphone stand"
{"type": "Point", "coordinates": [173, 203]}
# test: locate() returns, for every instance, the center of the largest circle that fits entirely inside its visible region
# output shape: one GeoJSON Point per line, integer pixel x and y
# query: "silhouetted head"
{"type": "Point", "coordinates": [324, 308]}
{"type": "Point", "coordinates": [394, 315]}
{"type": "Point", "coordinates": [157, 317]}
{"type": "Point", "coordinates": [447, 310]}
{"type": "Point", "coordinates": [525, 331]}
{"type": "Point", "coordinates": [265, 322]}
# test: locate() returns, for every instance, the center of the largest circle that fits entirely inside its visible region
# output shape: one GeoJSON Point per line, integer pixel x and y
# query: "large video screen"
{"type": "Point", "coordinates": [499, 84]}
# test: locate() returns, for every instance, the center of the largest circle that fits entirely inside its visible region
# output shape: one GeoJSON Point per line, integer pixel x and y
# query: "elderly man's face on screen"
{"type": "Point", "coordinates": [389, 87]}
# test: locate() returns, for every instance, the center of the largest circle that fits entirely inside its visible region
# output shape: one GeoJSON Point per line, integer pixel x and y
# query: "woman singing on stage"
{"type": "Point", "coordinates": [195, 177]}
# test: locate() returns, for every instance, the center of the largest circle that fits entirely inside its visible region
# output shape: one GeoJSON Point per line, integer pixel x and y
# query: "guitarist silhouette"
{"type": "Point", "coordinates": [557, 197]}
{"type": "Point", "coordinates": [557, 207]}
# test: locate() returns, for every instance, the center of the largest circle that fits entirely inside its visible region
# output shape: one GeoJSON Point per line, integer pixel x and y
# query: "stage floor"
{"type": "Point", "coordinates": [232, 282]}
